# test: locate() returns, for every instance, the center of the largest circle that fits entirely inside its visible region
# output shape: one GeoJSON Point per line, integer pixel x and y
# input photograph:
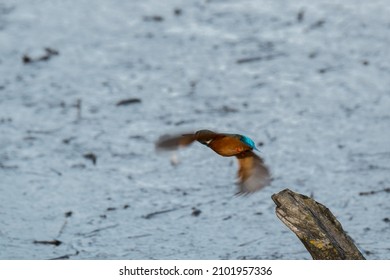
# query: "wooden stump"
{"type": "Point", "coordinates": [316, 227]}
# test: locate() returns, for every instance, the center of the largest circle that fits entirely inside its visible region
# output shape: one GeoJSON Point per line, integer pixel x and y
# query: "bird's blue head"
{"type": "Point", "coordinates": [248, 141]}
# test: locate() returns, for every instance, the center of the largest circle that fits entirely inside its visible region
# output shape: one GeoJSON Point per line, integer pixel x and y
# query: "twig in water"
{"type": "Point", "coordinates": [387, 190]}
{"type": "Point", "coordinates": [93, 232]}
{"type": "Point", "coordinates": [151, 215]}
{"type": "Point", "coordinates": [54, 242]}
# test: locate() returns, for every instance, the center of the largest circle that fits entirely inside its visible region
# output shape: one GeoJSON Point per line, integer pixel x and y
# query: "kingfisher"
{"type": "Point", "coordinates": [253, 174]}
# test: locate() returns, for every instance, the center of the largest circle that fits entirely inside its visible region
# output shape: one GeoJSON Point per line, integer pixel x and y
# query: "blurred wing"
{"type": "Point", "coordinates": [253, 174]}
{"type": "Point", "coordinates": [174, 142]}
{"type": "Point", "coordinates": [205, 136]}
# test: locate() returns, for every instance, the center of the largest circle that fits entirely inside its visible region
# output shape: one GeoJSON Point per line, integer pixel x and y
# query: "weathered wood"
{"type": "Point", "coordinates": [316, 227]}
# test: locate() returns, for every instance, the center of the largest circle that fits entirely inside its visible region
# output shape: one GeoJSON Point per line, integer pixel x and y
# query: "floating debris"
{"type": "Point", "coordinates": [139, 236]}
{"type": "Point", "coordinates": [92, 157]}
{"type": "Point", "coordinates": [129, 101]}
{"type": "Point", "coordinates": [68, 214]}
{"type": "Point", "coordinates": [54, 242]}
{"type": "Point", "coordinates": [95, 231]}
{"type": "Point", "coordinates": [318, 24]}
{"type": "Point", "coordinates": [66, 257]}
{"type": "Point", "coordinates": [177, 12]}
{"type": "Point", "coordinates": [195, 212]}
{"type": "Point", "coordinates": [386, 190]}
{"type": "Point", "coordinates": [151, 215]}
{"type": "Point", "coordinates": [49, 53]}
{"type": "Point", "coordinates": [155, 18]}
{"type": "Point", "coordinates": [257, 58]}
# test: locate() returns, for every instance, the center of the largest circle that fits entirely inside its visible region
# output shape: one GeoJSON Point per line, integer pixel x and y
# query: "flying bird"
{"type": "Point", "coordinates": [253, 174]}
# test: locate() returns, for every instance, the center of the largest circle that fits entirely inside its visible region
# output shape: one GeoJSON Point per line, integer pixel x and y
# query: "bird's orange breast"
{"type": "Point", "coordinates": [228, 146]}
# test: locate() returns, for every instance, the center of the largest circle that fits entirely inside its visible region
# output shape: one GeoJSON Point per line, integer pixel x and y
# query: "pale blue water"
{"type": "Point", "coordinates": [308, 81]}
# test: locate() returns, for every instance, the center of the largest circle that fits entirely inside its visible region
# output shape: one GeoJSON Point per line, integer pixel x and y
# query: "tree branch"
{"type": "Point", "coordinates": [316, 227]}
